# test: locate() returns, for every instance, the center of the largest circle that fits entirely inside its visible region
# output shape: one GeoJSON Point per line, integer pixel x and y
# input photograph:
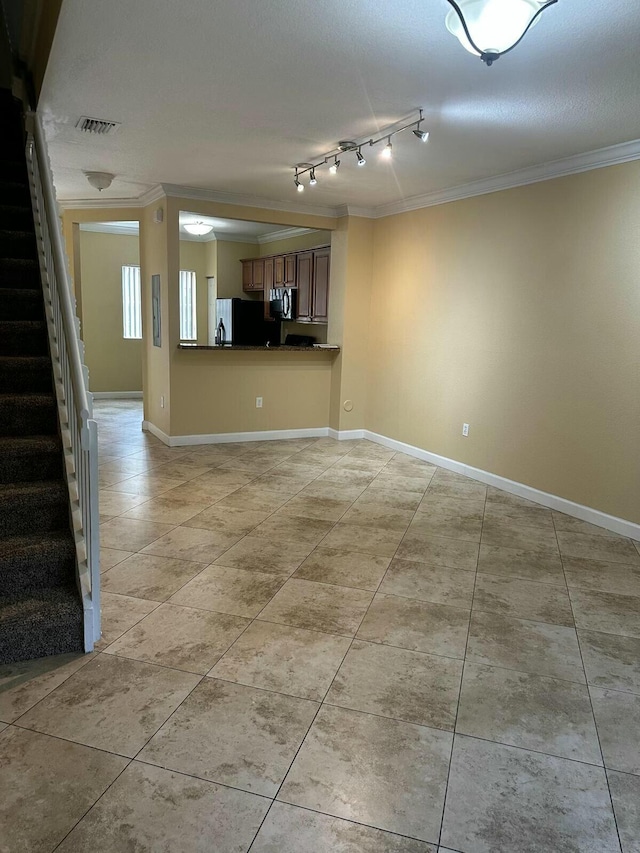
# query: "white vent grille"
{"type": "Point", "coordinates": [97, 125]}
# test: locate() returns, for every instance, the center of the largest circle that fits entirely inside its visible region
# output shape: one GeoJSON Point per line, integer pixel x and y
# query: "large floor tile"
{"type": "Point", "coordinates": [378, 516]}
{"type": "Point", "coordinates": [126, 534]}
{"type": "Point", "coordinates": [256, 554]}
{"type": "Point", "coordinates": [192, 543]}
{"type": "Point", "coordinates": [569, 524]}
{"type": "Point", "coordinates": [501, 800]}
{"type": "Point", "coordinates": [233, 734]}
{"type": "Point", "coordinates": [505, 533]}
{"type": "Point", "coordinates": [439, 551]}
{"type": "Point", "coordinates": [380, 772]}
{"type": "Point", "coordinates": [455, 519]}
{"type": "Point", "coordinates": [112, 703]}
{"type": "Point", "coordinates": [612, 549]}
{"type": "Point", "coordinates": [325, 509]}
{"type": "Point", "coordinates": [327, 489]}
{"type": "Point", "coordinates": [429, 583]}
{"type": "Point", "coordinates": [110, 557]}
{"type": "Point", "coordinates": [524, 513]}
{"type": "Point", "coordinates": [405, 685]}
{"type": "Point", "coordinates": [343, 568]}
{"type": "Point", "coordinates": [149, 576]}
{"type": "Point", "coordinates": [523, 599]}
{"type": "Point", "coordinates": [389, 498]}
{"type": "Point", "coordinates": [522, 644]}
{"type": "Point", "coordinates": [289, 829]}
{"type": "Point", "coordinates": [365, 540]}
{"type": "Point", "coordinates": [180, 637]}
{"type": "Point", "coordinates": [117, 503]}
{"type": "Point", "coordinates": [602, 576]}
{"type": "Point", "coordinates": [27, 682]}
{"type": "Point", "coordinates": [605, 611]}
{"type": "Point", "coordinates": [530, 711]}
{"type": "Point", "coordinates": [227, 520]}
{"type": "Point", "coordinates": [389, 480]}
{"type": "Point", "coordinates": [149, 485]}
{"type": "Point", "coordinates": [293, 528]}
{"type": "Point", "coordinates": [611, 660]}
{"type": "Point", "coordinates": [46, 785]}
{"type": "Point", "coordinates": [150, 809]}
{"type": "Point", "coordinates": [320, 607]}
{"type": "Point", "coordinates": [254, 498]}
{"type": "Point", "coordinates": [167, 509]}
{"type": "Point", "coordinates": [119, 613]}
{"type": "Point", "coordinates": [288, 660]}
{"type": "Point", "coordinates": [420, 626]}
{"type": "Point", "coordinates": [229, 590]}
{"type": "Point", "coordinates": [618, 721]}
{"type": "Point", "coordinates": [451, 485]}
{"type": "Point", "coordinates": [625, 793]}
{"type": "Point", "coordinates": [527, 565]}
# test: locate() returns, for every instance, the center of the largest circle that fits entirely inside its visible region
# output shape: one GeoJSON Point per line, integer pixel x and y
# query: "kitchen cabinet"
{"type": "Point", "coordinates": [289, 271]}
{"type": "Point", "coordinates": [268, 276]}
{"type": "Point", "coordinates": [304, 276]}
{"type": "Point", "coordinates": [278, 271]}
{"type": "Point", "coordinates": [253, 272]}
{"type": "Point", "coordinates": [320, 286]}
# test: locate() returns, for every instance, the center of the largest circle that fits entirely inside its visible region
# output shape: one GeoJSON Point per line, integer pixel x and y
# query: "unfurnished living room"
{"type": "Point", "coordinates": [319, 426]}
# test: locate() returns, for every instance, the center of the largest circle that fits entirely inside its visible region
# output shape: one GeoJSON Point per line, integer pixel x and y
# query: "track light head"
{"type": "Point", "coordinates": [361, 160]}
{"type": "Point", "coordinates": [299, 186]}
{"type": "Point", "coordinates": [387, 151]}
{"type": "Point", "coordinates": [313, 180]}
{"type": "Point", "coordinates": [333, 168]}
{"type": "Point", "coordinates": [423, 135]}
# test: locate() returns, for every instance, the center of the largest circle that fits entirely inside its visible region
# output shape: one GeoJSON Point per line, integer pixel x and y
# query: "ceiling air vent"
{"type": "Point", "coordinates": [97, 125]}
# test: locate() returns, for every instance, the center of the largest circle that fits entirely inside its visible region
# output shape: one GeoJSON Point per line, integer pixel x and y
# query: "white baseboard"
{"type": "Point", "coordinates": [116, 395]}
{"type": "Point", "coordinates": [584, 513]}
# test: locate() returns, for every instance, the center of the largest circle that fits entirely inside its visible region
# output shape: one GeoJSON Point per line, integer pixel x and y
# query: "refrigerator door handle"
{"type": "Point", "coordinates": [286, 304]}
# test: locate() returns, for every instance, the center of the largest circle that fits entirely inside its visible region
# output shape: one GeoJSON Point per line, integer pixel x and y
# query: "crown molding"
{"type": "Point", "coordinates": [111, 228]}
{"type": "Point", "coordinates": [614, 154]}
{"type": "Point", "coordinates": [351, 210]}
{"type": "Point", "coordinates": [285, 234]}
{"type": "Point", "coordinates": [198, 194]}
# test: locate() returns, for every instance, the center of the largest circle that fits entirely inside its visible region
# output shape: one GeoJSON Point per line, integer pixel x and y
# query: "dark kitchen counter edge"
{"type": "Point", "coordinates": [258, 349]}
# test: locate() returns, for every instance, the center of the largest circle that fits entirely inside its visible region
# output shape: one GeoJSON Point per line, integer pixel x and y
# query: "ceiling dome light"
{"type": "Point", "coordinates": [387, 151]}
{"type": "Point", "coordinates": [99, 180]}
{"type": "Point", "coordinates": [198, 229]}
{"type": "Point", "coordinates": [361, 160]}
{"type": "Point", "coordinates": [491, 28]}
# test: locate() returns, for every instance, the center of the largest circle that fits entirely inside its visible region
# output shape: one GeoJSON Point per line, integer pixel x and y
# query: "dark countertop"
{"type": "Point", "coordinates": [283, 348]}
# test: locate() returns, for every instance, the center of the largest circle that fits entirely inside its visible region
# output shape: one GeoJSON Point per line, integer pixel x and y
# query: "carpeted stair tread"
{"type": "Point", "coordinates": [18, 373]}
{"type": "Point", "coordinates": [15, 192]}
{"type": "Point", "coordinates": [28, 414]}
{"type": "Point", "coordinates": [23, 337]}
{"type": "Point", "coordinates": [30, 459]}
{"type": "Point", "coordinates": [13, 216]}
{"type": "Point", "coordinates": [21, 303]}
{"type": "Point", "coordinates": [24, 505]}
{"type": "Point", "coordinates": [19, 272]}
{"type": "Point", "coordinates": [36, 562]}
{"type": "Point", "coordinates": [45, 622]}
{"type": "Point", "coordinates": [17, 244]}
{"type": "Point", "coordinates": [13, 171]}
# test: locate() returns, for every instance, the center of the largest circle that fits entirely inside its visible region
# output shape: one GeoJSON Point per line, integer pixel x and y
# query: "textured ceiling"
{"type": "Point", "coordinates": [227, 95]}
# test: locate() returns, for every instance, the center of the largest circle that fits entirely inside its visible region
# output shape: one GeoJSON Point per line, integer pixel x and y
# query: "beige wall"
{"type": "Point", "coordinates": [229, 275]}
{"type": "Point", "coordinates": [115, 364]}
{"type": "Point", "coordinates": [193, 256]}
{"type": "Point", "coordinates": [294, 244]}
{"type": "Point", "coordinates": [518, 313]}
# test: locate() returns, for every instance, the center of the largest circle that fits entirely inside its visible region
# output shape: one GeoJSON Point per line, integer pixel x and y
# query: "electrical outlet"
{"type": "Point", "coordinates": [258, 402]}
{"type": "Point", "coordinates": [465, 429]}
{"type": "Point", "coordinates": [162, 402]}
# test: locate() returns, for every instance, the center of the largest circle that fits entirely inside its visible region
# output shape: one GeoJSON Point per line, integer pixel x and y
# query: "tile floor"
{"type": "Point", "coordinates": [321, 646]}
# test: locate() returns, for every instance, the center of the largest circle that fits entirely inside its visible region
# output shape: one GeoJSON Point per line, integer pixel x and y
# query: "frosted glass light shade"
{"type": "Point", "coordinates": [494, 25]}
{"type": "Point", "coordinates": [198, 229]}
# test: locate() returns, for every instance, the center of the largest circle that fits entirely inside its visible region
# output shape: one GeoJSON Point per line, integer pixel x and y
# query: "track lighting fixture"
{"type": "Point", "coordinates": [491, 28]}
{"type": "Point", "coordinates": [331, 160]}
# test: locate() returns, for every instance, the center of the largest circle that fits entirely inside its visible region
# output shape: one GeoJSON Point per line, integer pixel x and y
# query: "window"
{"type": "Point", "coordinates": [131, 302]}
{"type": "Point", "coordinates": [188, 306]}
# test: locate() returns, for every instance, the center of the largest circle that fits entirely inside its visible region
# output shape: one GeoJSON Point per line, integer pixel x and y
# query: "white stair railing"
{"type": "Point", "coordinates": [75, 404]}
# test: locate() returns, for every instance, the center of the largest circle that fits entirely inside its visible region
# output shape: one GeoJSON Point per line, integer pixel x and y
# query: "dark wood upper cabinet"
{"type": "Point", "coordinates": [320, 289]}
{"type": "Point", "coordinates": [258, 275]}
{"type": "Point", "coordinates": [268, 276]}
{"type": "Point", "coordinates": [247, 275]}
{"type": "Point", "coordinates": [289, 271]}
{"type": "Point", "coordinates": [304, 276]}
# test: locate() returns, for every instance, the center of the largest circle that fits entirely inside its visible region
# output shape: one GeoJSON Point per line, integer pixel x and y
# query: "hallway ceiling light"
{"type": "Point", "coordinates": [99, 180]}
{"type": "Point", "coordinates": [198, 229]}
{"type": "Point", "coordinates": [331, 157]}
{"type": "Point", "coordinates": [491, 28]}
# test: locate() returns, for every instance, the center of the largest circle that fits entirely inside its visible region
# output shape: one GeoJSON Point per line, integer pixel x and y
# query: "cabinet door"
{"type": "Point", "coordinates": [320, 290]}
{"type": "Point", "coordinates": [247, 275]}
{"type": "Point", "coordinates": [278, 271]}
{"type": "Point", "coordinates": [258, 275]}
{"type": "Point", "coordinates": [304, 273]}
{"type": "Point", "coordinates": [268, 275]}
{"type": "Point", "coordinates": [289, 271]}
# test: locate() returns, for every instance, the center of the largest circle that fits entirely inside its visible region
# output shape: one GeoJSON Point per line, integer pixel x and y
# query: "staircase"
{"type": "Point", "coordinates": [41, 611]}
